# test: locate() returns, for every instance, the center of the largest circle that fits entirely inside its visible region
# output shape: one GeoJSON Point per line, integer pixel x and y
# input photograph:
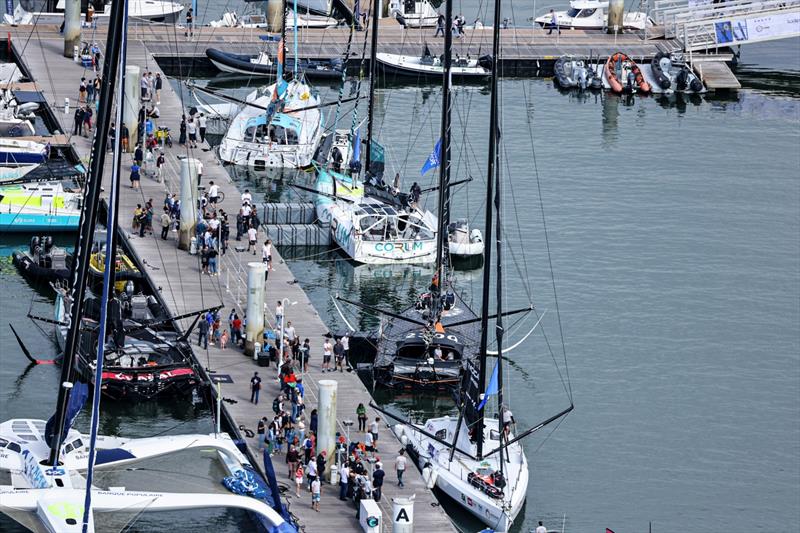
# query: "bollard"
{"type": "Point", "coordinates": [403, 515]}
{"type": "Point", "coordinates": [616, 13]}
{"type": "Point", "coordinates": [76, 56]}
{"type": "Point", "coordinates": [256, 350]}
{"type": "Point", "coordinates": [326, 409]}
{"type": "Point", "coordinates": [369, 516]}
{"type": "Point", "coordinates": [255, 304]}
{"type": "Point", "coordinates": [72, 26]}
{"type": "Point", "coordinates": [66, 106]}
{"type": "Point", "coordinates": [188, 203]}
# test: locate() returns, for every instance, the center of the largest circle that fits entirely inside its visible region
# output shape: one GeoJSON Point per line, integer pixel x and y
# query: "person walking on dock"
{"type": "Point", "coordinates": [315, 494]}
{"type": "Point", "coordinates": [191, 129]}
{"type": "Point", "coordinates": [266, 254]}
{"type": "Point", "coordinates": [361, 413]}
{"type": "Point", "coordinates": [553, 23]}
{"type": "Point", "coordinates": [327, 350]}
{"type": "Point", "coordinates": [255, 388]}
{"type": "Point", "coordinates": [298, 480]}
{"type": "Point", "coordinates": [439, 26]}
{"type": "Point", "coordinates": [182, 129]}
{"type": "Point", "coordinates": [203, 332]}
{"type": "Point", "coordinates": [166, 222]}
{"type": "Point", "coordinates": [252, 237]}
{"type": "Point", "coordinates": [292, 459]}
{"type": "Point", "coordinates": [338, 352]}
{"type": "Point", "coordinates": [202, 124]}
{"type": "Point", "coordinates": [159, 84]}
{"type": "Point", "coordinates": [82, 91]}
{"type": "Point", "coordinates": [400, 467]}
{"type": "Point", "coordinates": [189, 23]}
{"type": "Point", "coordinates": [305, 353]}
{"type": "Point", "coordinates": [261, 431]}
{"type": "Point", "coordinates": [373, 428]}
{"type": "Point", "coordinates": [77, 128]}
{"type": "Point", "coordinates": [344, 477]}
{"type": "Point", "coordinates": [135, 176]}
{"type": "Point", "coordinates": [377, 481]}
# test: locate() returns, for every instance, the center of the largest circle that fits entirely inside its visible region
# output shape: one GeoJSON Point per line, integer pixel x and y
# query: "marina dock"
{"type": "Point", "coordinates": [526, 50]}
{"type": "Point", "coordinates": [177, 276]}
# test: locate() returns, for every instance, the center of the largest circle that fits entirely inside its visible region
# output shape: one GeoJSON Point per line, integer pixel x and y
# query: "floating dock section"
{"type": "Point", "coordinates": [294, 224]}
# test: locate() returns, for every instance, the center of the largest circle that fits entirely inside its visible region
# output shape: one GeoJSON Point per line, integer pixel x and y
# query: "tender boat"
{"type": "Point", "coordinates": [464, 242]}
{"type": "Point", "coordinates": [262, 65]}
{"type": "Point", "coordinates": [429, 66]}
{"type": "Point", "coordinates": [42, 261]}
{"type": "Point", "coordinates": [570, 73]}
{"type": "Point", "coordinates": [592, 15]}
{"type": "Point", "coordinates": [672, 74]}
{"type": "Point", "coordinates": [22, 152]}
{"type": "Point", "coordinates": [415, 14]}
{"type": "Point", "coordinates": [41, 206]}
{"type": "Point", "coordinates": [288, 137]}
{"type": "Point", "coordinates": [624, 75]}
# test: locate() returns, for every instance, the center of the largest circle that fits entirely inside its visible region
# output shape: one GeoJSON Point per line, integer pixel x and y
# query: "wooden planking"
{"type": "Point", "coordinates": [716, 75]}
{"type": "Point", "coordinates": [517, 44]}
{"type": "Point", "coordinates": [177, 275]}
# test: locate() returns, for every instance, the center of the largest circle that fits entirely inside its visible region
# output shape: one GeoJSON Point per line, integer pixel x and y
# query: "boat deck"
{"type": "Point", "coordinates": [183, 287]}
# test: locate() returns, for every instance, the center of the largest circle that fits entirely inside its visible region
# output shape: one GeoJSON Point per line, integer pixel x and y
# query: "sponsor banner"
{"type": "Point", "coordinates": [764, 28]}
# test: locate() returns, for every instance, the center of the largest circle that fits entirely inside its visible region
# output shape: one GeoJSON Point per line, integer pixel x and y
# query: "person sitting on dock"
{"type": "Point", "coordinates": [154, 112]}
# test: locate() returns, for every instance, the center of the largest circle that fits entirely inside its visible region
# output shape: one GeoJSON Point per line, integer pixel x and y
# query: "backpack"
{"type": "Point", "coordinates": [275, 405]}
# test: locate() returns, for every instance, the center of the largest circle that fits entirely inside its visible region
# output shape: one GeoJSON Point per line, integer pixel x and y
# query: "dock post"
{"type": "Point", "coordinates": [255, 306]}
{"type": "Point", "coordinates": [326, 436]}
{"type": "Point", "coordinates": [130, 112]}
{"type": "Point", "coordinates": [188, 225]}
{"type": "Point", "coordinates": [616, 13]}
{"type": "Point", "coordinates": [72, 26]}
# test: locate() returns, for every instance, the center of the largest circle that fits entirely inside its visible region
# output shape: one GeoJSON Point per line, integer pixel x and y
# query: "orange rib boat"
{"type": "Point", "coordinates": [626, 65]}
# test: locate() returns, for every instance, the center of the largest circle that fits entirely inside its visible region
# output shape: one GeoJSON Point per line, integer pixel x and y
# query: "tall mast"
{"type": "Point", "coordinates": [282, 43]}
{"type": "Point", "coordinates": [442, 258]}
{"type": "Point", "coordinates": [491, 173]}
{"type": "Point", "coordinates": [373, 71]}
{"type": "Point", "coordinates": [83, 244]}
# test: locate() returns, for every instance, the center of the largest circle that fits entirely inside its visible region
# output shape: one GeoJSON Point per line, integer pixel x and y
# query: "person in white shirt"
{"type": "Point", "coordinates": [247, 198]}
{"type": "Point", "coordinates": [369, 442]}
{"type": "Point", "coordinates": [252, 237]}
{"type": "Point", "coordinates": [346, 346]}
{"type": "Point", "coordinates": [541, 528]}
{"type": "Point", "coordinates": [400, 467]}
{"type": "Point", "coordinates": [344, 478]}
{"type": "Point", "coordinates": [289, 331]}
{"type": "Point", "coordinates": [213, 193]}
{"type": "Point", "coordinates": [266, 253]}
{"type": "Point", "coordinates": [327, 351]}
{"type": "Point", "coordinates": [202, 122]}
{"type": "Point", "coordinates": [279, 312]}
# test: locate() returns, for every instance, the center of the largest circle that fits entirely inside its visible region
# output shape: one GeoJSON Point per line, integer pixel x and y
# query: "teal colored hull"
{"type": "Point", "coordinates": [37, 222]}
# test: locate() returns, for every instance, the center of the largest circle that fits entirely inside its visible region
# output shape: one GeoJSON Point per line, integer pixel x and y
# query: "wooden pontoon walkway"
{"type": "Point", "coordinates": [184, 289]}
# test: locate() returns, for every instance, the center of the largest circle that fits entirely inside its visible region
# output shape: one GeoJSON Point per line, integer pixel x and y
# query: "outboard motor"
{"type": "Point", "coordinates": [631, 81]}
{"type": "Point", "coordinates": [448, 300]}
{"type": "Point", "coordinates": [682, 80]}
{"type": "Point", "coordinates": [582, 78]}
{"type": "Point", "coordinates": [34, 247]}
{"type": "Point", "coordinates": [48, 244]}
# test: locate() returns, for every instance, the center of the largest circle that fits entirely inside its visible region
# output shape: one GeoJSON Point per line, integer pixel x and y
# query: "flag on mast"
{"type": "Point", "coordinates": [491, 389]}
{"type": "Point", "coordinates": [433, 159]}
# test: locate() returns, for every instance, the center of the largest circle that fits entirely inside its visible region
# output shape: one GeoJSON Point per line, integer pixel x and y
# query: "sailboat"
{"type": "Point", "coordinates": [49, 464]}
{"type": "Point", "coordinates": [475, 457]}
{"type": "Point", "coordinates": [280, 126]}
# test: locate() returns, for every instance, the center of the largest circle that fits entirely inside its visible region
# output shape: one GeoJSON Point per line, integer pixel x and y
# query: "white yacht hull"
{"type": "Point", "coordinates": [452, 477]}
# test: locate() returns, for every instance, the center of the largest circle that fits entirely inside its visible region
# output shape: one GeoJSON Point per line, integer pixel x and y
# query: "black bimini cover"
{"type": "Point", "coordinates": [415, 342]}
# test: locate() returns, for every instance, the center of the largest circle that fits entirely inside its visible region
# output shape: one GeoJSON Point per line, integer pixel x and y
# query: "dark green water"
{"type": "Point", "coordinates": [674, 229]}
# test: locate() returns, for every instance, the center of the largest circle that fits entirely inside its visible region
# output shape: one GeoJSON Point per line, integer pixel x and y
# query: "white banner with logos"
{"type": "Point", "coordinates": [763, 28]}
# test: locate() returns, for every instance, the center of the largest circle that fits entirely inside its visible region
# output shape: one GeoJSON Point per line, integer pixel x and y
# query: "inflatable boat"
{"type": "Point", "coordinates": [624, 75]}
{"type": "Point", "coordinates": [262, 65]}
{"type": "Point", "coordinates": [674, 75]}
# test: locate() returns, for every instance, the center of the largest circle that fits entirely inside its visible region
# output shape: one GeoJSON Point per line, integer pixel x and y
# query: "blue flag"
{"type": "Point", "coordinates": [433, 159]}
{"type": "Point", "coordinates": [491, 389]}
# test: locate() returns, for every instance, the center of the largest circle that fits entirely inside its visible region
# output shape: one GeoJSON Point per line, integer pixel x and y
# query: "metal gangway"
{"type": "Point", "coordinates": [708, 25]}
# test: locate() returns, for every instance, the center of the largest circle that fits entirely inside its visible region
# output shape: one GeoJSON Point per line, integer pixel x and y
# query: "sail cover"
{"type": "Point", "coordinates": [80, 391]}
{"type": "Point", "coordinates": [471, 392]}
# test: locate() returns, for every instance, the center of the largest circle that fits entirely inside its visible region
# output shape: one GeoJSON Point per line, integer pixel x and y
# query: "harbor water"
{"type": "Point", "coordinates": [673, 228]}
